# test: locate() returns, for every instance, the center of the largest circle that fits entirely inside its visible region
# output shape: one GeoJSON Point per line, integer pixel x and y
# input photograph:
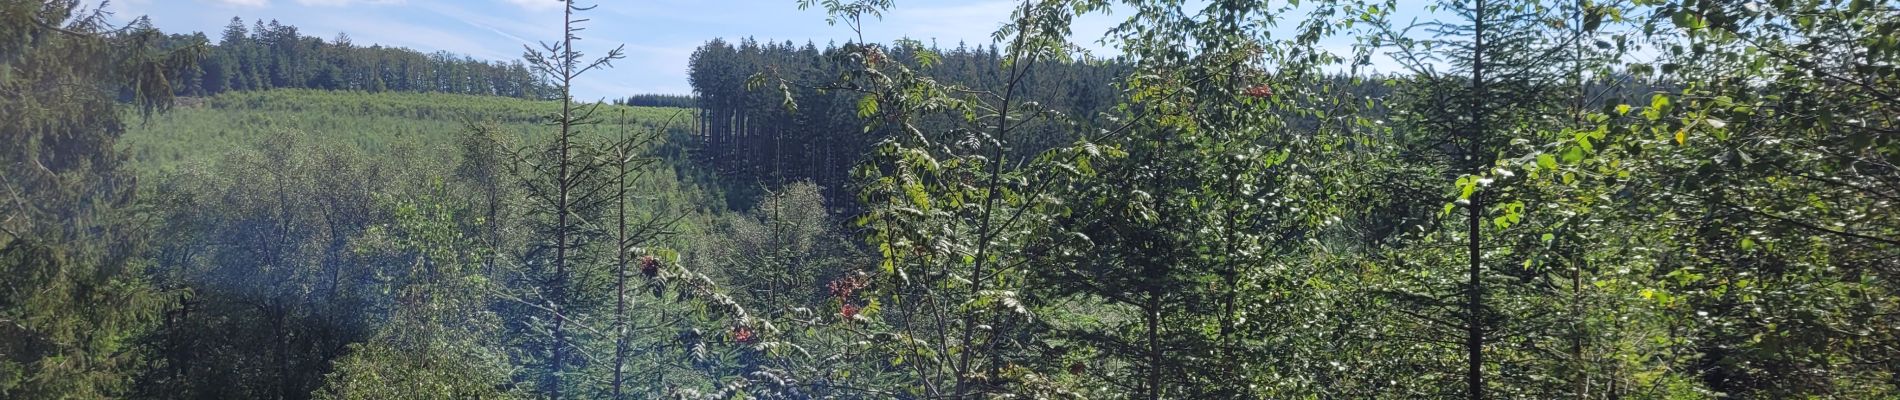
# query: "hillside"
{"type": "Point", "coordinates": [383, 124]}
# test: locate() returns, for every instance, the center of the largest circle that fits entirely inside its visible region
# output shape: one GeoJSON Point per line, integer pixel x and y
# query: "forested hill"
{"type": "Point", "coordinates": [771, 113]}
{"type": "Point", "coordinates": [266, 55]}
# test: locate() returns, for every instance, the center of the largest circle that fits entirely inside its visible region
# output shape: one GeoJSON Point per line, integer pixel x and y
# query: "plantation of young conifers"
{"type": "Point", "coordinates": [1323, 199]}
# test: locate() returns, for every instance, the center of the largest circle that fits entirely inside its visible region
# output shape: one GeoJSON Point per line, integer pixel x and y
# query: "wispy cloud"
{"type": "Point", "coordinates": [512, 29]}
{"type": "Point", "coordinates": [244, 3]}
{"type": "Point", "coordinates": [537, 5]}
{"type": "Point", "coordinates": [415, 36]}
{"type": "Point", "coordinates": [340, 3]}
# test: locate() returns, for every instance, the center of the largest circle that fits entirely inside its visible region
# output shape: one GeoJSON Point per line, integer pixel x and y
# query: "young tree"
{"type": "Point", "coordinates": [565, 184]}
{"type": "Point", "coordinates": [1178, 232]}
{"type": "Point", "coordinates": [630, 165]}
{"type": "Point", "coordinates": [953, 217]}
{"type": "Point", "coordinates": [1499, 87]}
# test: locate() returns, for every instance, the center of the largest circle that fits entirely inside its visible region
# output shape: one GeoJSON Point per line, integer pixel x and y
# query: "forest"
{"type": "Point", "coordinates": [273, 55]}
{"type": "Point", "coordinates": [1315, 199]}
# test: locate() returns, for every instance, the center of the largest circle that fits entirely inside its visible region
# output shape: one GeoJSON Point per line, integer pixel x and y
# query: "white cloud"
{"type": "Point", "coordinates": [416, 36]}
{"type": "Point", "coordinates": [340, 3]}
{"type": "Point", "coordinates": [244, 3]}
{"type": "Point", "coordinates": [538, 5]}
{"type": "Point", "coordinates": [510, 28]}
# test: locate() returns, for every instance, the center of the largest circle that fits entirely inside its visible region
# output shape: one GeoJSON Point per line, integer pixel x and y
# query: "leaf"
{"type": "Point", "coordinates": [867, 106]}
{"type": "Point", "coordinates": [1622, 109]}
{"type": "Point", "coordinates": [1547, 161]}
{"type": "Point", "coordinates": [918, 196]}
{"type": "Point", "coordinates": [1658, 105]}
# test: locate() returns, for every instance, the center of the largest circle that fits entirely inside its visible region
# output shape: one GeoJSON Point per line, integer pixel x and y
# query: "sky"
{"type": "Point", "coordinates": [659, 35]}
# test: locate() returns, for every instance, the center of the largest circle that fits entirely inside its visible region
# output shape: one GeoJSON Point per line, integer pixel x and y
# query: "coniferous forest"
{"type": "Point", "coordinates": [1322, 199]}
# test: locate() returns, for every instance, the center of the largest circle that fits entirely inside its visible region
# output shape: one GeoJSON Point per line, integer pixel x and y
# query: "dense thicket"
{"type": "Point", "coordinates": [268, 55]}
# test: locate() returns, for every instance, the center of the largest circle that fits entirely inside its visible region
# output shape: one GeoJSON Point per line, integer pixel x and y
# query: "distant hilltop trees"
{"type": "Point", "coordinates": [659, 100]}
{"type": "Point", "coordinates": [269, 55]}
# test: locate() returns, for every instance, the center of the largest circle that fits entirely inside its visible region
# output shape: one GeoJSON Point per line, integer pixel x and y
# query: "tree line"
{"type": "Point", "coordinates": [808, 129]}
{"type": "Point", "coordinates": [659, 100]}
{"type": "Point", "coordinates": [266, 55]}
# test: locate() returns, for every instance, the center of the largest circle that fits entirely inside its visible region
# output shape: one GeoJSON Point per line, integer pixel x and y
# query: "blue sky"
{"type": "Point", "coordinates": [659, 34]}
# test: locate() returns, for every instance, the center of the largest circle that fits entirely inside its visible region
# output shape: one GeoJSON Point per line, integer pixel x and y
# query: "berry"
{"type": "Point", "coordinates": [649, 266]}
{"type": "Point", "coordinates": [742, 334]}
{"type": "Point", "coordinates": [844, 287]}
{"type": "Point", "coordinates": [1261, 91]}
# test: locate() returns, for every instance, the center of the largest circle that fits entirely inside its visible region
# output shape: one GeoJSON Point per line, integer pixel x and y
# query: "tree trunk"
{"type": "Point", "coordinates": [1474, 301]}
{"type": "Point", "coordinates": [561, 208]}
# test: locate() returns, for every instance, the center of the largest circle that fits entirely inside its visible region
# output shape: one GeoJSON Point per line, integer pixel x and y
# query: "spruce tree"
{"type": "Point", "coordinates": [71, 244]}
{"type": "Point", "coordinates": [567, 186]}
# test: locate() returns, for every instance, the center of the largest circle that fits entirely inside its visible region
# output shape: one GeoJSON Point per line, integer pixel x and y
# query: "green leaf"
{"type": "Point", "coordinates": [867, 106]}
{"type": "Point", "coordinates": [917, 195]}
{"type": "Point", "coordinates": [1547, 161]}
{"type": "Point", "coordinates": [1657, 106]}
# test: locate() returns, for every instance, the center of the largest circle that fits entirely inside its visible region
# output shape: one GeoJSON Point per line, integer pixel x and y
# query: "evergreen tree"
{"type": "Point", "coordinates": [72, 246]}
{"type": "Point", "coordinates": [566, 182]}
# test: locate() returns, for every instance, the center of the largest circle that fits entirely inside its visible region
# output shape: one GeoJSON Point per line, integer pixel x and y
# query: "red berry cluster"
{"type": "Point", "coordinates": [843, 288]}
{"type": "Point", "coordinates": [1261, 91]}
{"type": "Point", "coordinates": [742, 334]}
{"type": "Point", "coordinates": [649, 266]}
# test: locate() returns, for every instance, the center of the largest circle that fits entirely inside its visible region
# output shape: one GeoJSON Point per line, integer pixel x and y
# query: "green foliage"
{"type": "Point", "coordinates": [771, 113]}
{"type": "Point", "coordinates": [73, 247]}
{"type": "Point", "coordinates": [277, 56]}
{"type": "Point", "coordinates": [331, 253]}
{"type": "Point", "coordinates": [383, 124]}
{"type": "Point", "coordinates": [1554, 199]}
{"type": "Point", "coordinates": [778, 252]}
{"type": "Point", "coordinates": [440, 338]}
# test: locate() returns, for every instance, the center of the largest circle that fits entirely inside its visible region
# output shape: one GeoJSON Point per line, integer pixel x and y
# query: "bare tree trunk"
{"type": "Point", "coordinates": [1153, 317]}
{"type": "Point", "coordinates": [1577, 356]}
{"type": "Point", "coordinates": [561, 207]}
{"type": "Point", "coordinates": [620, 270]}
{"type": "Point", "coordinates": [1475, 215]}
{"type": "Point", "coordinates": [1474, 301]}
